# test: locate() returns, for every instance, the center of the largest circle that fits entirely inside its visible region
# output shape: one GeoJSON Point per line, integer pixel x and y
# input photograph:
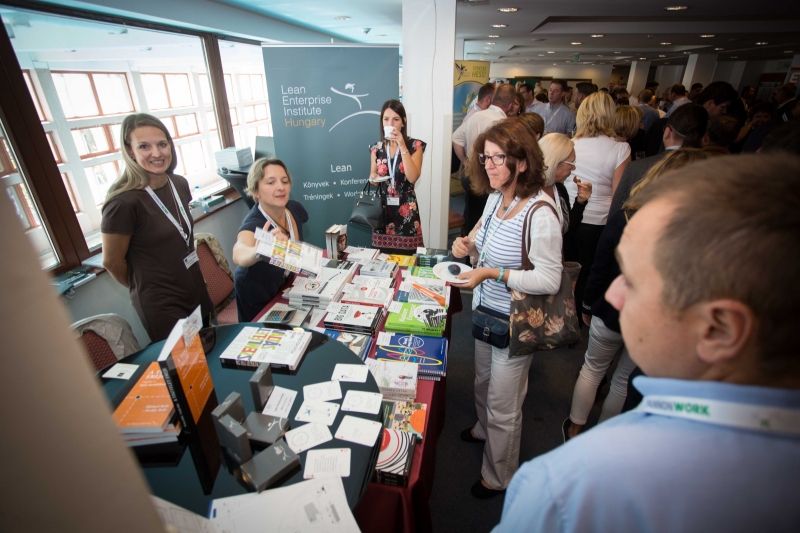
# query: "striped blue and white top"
{"type": "Point", "coordinates": [503, 249]}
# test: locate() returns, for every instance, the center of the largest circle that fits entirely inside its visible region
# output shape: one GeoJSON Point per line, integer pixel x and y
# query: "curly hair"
{"type": "Point", "coordinates": [516, 140]}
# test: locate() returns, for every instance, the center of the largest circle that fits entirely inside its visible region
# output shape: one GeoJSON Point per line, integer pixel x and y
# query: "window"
{"type": "Point", "coordinates": [68, 185]}
{"type": "Point", "coordinates": [34, 96]}
{"type": "Point", "coordinates": [234, 117]}
{"type": "Point", "coordinates": [205, 89]}
{"type": "Point", "coordinates": [91, 94]}
{"type": "Point", "coordinates": [211, 120]}
{"type": "Point", "coordinates": [101, 177]}
{"type": "Point", "coordinates": [244, 65]}
{"type": "Point", "coordinates": [166, 91]}
{"type": "Point", "coordinates": [252, 86]}
{"type": "Point", "coordinates": [186, 125]}
{"type": "Point", "coordinates": [92, 142]}
{"type": "Point", "coordinates": [54, 148]}
{"type": "Point", "coordinates": [229, 88]}
{"type": "Point", "coordinates": [191, 158]}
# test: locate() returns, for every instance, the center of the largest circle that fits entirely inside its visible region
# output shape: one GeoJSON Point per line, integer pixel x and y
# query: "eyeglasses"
{"type": "Point", "coordinates": [570, 163]}
{"type": "Point", "coordinates": [498, 159]}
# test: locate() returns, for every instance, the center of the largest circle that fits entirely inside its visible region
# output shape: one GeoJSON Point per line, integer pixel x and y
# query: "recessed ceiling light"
{"type": "Point", "coordinates": [549, 52]}
{"type": "Point", "coordinates": [508, 9]}
{"type": "Point", "coordinates": [597, 35]}
{"type": "Point", "coordinates": [687, 52]}
{"type": "Point", "coordinates": [555, 63]}
{"type": "Point", "coordinates": [599, 55]}
{"type": "Point", "coordinates": [666, 62]}
{"type": "Point", "coordinates": [718, 49]}
{"type": "Point", "coordinates": [661, 55]}
{"type": "Point", "coordinates": [642, 58]}
{"type": "Point", "coordinates": [576, 43]}
{"type": "Point", "coordinates": [760, 43]}
{"type": "Point", "coordinates": [493, 36]}
{"type": "Point", "coordinates": [541, 55]}
{"type": "Point", "coordinates": [788, 51]}
{"type": "Point", "coordinates": [676, 8]}
{"type": "Point", "coordinates": [343, 17]}
{"type": "Point", "coordinates": [734, 57]}
{"type": "Point", "coordinates": [627, 60]}
{"type": "Point", "coordinates": [499, 25]}
{"type": "Point", "coordinates": [491, 43]}
{"type": "Point", "coordinates": [706, 35]}
{"type": "Point", "coordinates": [666, 43]}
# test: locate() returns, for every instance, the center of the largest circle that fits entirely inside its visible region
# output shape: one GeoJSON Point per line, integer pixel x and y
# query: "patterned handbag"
{"type": "Point", "coordinates": [541, 321]}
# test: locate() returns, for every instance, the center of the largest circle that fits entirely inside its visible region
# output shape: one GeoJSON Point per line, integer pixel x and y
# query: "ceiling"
{"type": "Point", "coordinates": [542, 33]}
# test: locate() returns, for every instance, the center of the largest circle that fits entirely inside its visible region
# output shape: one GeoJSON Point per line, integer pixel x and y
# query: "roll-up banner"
{"type": "Point", "coordinates": [468, 77]}
{"type": "Point", "coordinates": [325, 103]}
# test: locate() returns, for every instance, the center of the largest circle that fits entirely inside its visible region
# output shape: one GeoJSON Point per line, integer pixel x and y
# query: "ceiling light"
{"type": "Point", "coordinates": [718, 49]}
{"type": "Point", "coordinates": [493, 36]}
{"type": "Point", "coordinates": [549, 52]}
{"type": "Point", "coordinates": [706, 35]}
{"type": "Point", "coordinates": [555, 63]}
{"type": "Point", "coordinates": [788, 51]}
{"type": "Point", "coordinates": [576, 43]}
{"type": "Point", "coordinates": [687, 52]}
{"type": "Point", "coordinates": [343, 17]}
{"type": "Point", "coordinates": [666, 62]}
{"type": "Point", "coordinates": [661, 55]}
{"type": "Point", "coordinates": [627, 60]}
{"type": "Point", "coordinates": [491, 43]}
{"type": "Point", "coordinates": [734, 57]}
{"type": "Point", "coordinates": [761, 43]}
{"type": "Point", "coordinates": [508, 9]}
{"type": "Point", "coordinates": [676, 8]}
{"type": "Point", "coordinates": [642, 58]}
{"type": "Point", "coordinates": [541, 55]}
{"type": "Point", "coordinates": [666, 43]}
{"type": "Point", "coordinates": [499, 25]}
{"type": "Point", "coordinates": [597, 35]}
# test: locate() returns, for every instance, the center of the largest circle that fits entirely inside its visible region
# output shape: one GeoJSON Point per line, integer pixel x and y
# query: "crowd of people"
{"type": "Point", "coordinates": [688, 255]}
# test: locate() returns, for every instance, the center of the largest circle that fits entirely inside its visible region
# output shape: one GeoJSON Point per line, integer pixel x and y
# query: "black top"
{"type": "Point", "coordinates": [605, 270]}
{"type": "Point", "coordinates": [572, 219]}
{"type": "Point", "coordinates": [638, 144]}
{"type": "Point", "coordinates": [258, 284]}
{"type": "Point", "coordinates": [655, 137]}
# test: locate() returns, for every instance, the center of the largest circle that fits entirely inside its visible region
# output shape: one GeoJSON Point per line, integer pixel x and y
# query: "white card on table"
{"type": "Point", "coordinates": [307, 436]}
{"type": "Point", "coordinates": [382, 257]}
{"type": "Point", "coordinates": [358, 430]}
{"type": "Point", "coordinates": [362, 402]}
{"type": "Point", "coordinates": [280, 402]}
{"type": "Point", "coordinates": [384, 338]}
{"type": "Point", "coordinates": [405, 286]}
{"type": "Point", "coordinates": [317, 412]}
{"type": "Point", "coordinates": [322, 463]}
{"type": "Point", "coordinates": [420, 251]}
{"type": "Point", "coordinates": [323, 392]}
{"type": "Point", "coordinates": [121, 371]}
{"type": "Point", "coordinates": [395, 307]}
{"type": "Point", "coordinates": [404, 273]}
{"type": "Point", "coordinates": [356, 373]}
{"type": "Point", "coordinates": [347, 289]}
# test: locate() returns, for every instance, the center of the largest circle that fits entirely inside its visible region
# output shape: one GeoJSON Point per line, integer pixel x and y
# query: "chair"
{"type": "Point", "coordinates": [107, 338]}
{"type": "Point", "coordinates": [456, 222]}
{"type": "Point", "coordinates": [218, 278]}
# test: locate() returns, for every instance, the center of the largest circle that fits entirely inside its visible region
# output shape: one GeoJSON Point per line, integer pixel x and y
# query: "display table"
{"type": "Point", "coordinates": [385, 508]}
{"type": "Point", "coordinates": [178, 480]}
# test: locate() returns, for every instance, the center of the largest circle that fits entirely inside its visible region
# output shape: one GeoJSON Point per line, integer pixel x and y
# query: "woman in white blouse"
{"type": "Point", "coordinates": [506, 164]}
{"type": "Point", "coordinates": [600, 160]}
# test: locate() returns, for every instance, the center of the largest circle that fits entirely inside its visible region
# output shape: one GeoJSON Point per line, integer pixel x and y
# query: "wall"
{"type": "Point", "coordinates": [599, 74]}
{"type": "Point", "coordinates": [752, 73]}
{"type": "Point", "coordinates": [667, 76]}
{"type": "Point", "coordinates": [104, 295]}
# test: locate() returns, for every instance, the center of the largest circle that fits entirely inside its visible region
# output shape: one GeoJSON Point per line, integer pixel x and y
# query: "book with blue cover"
{"type": "Point", "coordinates": [430, 353]}
{"type": "Point", "coordinates": [357, 343]}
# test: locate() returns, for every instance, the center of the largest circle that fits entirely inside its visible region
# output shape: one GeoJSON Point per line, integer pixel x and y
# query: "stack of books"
{"type": "Point", "coordinates": [424, 291]}
{"type": "Point", "coordinates": [357, 343]}
{"type": "Point", "coordinates": [336, 240]}
{"type": "Point", "coordinates": [353, 318]}
{"type": "Point", "coordinates": [233, 157]}
{"type": "Point", "coordinates": [430, 257]}
{"type": "Point", "coordinates": [402, 260]}
{"type": "Point", "coordinates": [422, 272]}
{"type": "Point", "coordinates": [379, 269]}
{"type": "Point", "coordinates": [405, 416]}
{"type": "Point", "coordinates": [352, 253]}
{"type": "Point", "coordinates": [319, 292]}
{"type": "Point", "coordinates": [282, 349]}
{"type": "Point", "coordinates": [417, 319]}
{"type": "Point", "coordinates": [430, 353]}
{"type": "Point", "coordinates": [395, 458]}
{"type": "Point", "coordinates": [370, 281]}
{"type": "Point", "coordinates": [335, 264]}
{"type": "Point", "coordinates": [365, 295]}
{"type": "Point", "coordinates": [145, 413]}
{"type": "Point", "coordinates": [395, 379]}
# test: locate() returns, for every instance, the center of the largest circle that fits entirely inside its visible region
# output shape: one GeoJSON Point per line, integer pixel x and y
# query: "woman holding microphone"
{"type": "Point", "coordinates": [395, 164]}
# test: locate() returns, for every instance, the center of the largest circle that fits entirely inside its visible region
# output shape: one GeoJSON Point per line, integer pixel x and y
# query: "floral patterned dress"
{"type": "Point", "coordinates": [403, 228]}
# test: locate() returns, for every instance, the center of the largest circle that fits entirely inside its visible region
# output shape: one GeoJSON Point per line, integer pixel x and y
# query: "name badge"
{"type": "Point", "coordinates": [190, 259]}
{"type": "Point", "coordinates": [393, 200]}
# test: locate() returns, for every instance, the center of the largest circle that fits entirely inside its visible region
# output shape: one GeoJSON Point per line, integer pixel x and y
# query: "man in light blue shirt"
{"type": "Point", "coordinates": [708, 308]}
{"type": "Point", "coordinates": [650, 114]}
{"type": "Point", "coordinates": [558, 118]}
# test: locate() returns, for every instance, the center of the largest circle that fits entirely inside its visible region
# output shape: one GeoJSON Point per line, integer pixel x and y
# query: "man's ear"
{"type": "Point", "coordinates": [705, 140]}
{"type": "Point", "coordinates": [725, 328]}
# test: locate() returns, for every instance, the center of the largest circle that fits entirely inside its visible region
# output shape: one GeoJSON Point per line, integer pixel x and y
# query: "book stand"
{"type": "Point", "coordinates": [233, 438]}
{"type": "Point", "coordinates": [261, 386]}
{"type": "Point", "coordinates": [270, 465]}
{"type": "Point", "coordinates": [265, 429]}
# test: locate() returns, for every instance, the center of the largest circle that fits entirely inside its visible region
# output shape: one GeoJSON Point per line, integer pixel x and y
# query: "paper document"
{"type": "Point", "coordinates": [317, 412]}
{"type": "Point", "coordinates": [356, 373]}
{"type": "Point", "coordinates": [121, 371]}
{"type": "Point", "coordinates": [183, 520]}
{"type": "Point", "coordinates": [362, 402]}
{"type": "Point", "coordinates": [322, 463]}
{"type": "Point", "coordinates": [325, 391]}
{"type": "Point", "coordinates": [316, 505]}
{"type": "Point", "coordinates": [280, 402]}
{"type": "Point", "coordinates": [358, 430]}
{"type": "Point", "coordinates": [307, 436]}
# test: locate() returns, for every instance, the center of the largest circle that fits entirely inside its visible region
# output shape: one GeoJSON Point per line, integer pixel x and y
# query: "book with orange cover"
{"type": "Point", "coordinates": [147, 407]}
{"type": "Point", "coordinates": [183, 364]}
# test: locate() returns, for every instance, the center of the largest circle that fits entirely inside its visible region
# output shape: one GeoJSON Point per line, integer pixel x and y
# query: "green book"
{"type": "Point", "coordinates": [418, 319]}
{"type": "Point", "coordinates": [422, 272]}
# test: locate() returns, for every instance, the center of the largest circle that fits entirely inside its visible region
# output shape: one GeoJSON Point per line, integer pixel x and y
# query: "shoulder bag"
{"type": "Point", "coordinates": [541, 321]}
{"type": "Point", "coordinates": [369, 208]}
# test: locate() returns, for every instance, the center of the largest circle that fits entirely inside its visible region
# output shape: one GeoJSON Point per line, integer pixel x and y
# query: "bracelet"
{"type": "Point", "coordinates": [500, 277]}
{"type": "Point", "coordinates": [403, 153]}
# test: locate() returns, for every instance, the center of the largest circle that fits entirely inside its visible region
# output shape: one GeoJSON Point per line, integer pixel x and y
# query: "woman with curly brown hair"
{"type": "Point", "coordinates": [507, 164]}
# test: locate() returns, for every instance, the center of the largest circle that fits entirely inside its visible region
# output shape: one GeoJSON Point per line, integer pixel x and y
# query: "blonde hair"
{"type": "Point", "coordinates": [595, 116]}
{"type": "Point", "coordinates": [257, 172]}
{"type": "Point", "coordinates": [673, 160]}
{"type": "Point", "coordinates": [133, 176]}
{"type": "Point", "coordinates": [626, 121]}
{"type": "Point", "coordinates": [556, 148]}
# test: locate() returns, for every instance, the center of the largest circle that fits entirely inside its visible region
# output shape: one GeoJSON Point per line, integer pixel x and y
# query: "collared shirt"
{"type": "Point", "coordinates": [557, 119]}
{"type": "Point", "coordinates": [650, 116]}
{"type": "Point", "coordinates": [650, 472]}
{"type": "Point", "coordinates": [529, 109]}
{"type": "Point", "coordinates": [472, 110]}
{"type": "Point", "coordinates": [676, 104]}
{"type": "Point", "coordinates": [470, 129]}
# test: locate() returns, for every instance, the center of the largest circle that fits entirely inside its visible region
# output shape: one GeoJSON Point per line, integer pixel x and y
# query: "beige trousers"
{"type": "Point", "coordinates": [500, 387]}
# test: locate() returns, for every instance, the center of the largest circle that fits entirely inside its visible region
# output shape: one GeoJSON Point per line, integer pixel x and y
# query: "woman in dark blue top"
{"type": "Point", "coordinates": [257, 282]}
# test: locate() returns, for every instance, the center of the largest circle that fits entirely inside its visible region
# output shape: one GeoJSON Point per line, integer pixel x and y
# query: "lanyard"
{"type": "Point", "coordinates": [486, 234]}
{"type": "Point", "coordinates": [552, 116]}
{"type": "Point", "coordinates": [288, 221]}
{"type": "Point", "coordinates": [732, 414]}
{"type": "Point", "coordinates": [392, 167]}
{"type": "Point", "coordinates": [171, 218]}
